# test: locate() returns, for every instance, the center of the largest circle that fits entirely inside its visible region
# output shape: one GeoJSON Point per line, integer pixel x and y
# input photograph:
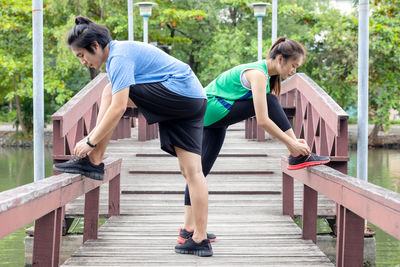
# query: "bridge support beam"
{"type": "Point", "coordinates": [47, 239]}
{"type": "Point", "coordinates": [350, 238]}
{"type": "Point", "coordinates": [287, 195]}
{"type": "Point", "coordinates": [91, 221]}
{"type": "Point", "coordinates": [310, 206]}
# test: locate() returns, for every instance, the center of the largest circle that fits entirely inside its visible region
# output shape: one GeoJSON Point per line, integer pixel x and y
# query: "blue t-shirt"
{"type": "Point", "coordinates": [131, 62]}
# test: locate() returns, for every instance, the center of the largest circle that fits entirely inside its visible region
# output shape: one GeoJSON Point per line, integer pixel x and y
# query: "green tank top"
{"type": "Point", "coordinates": [227, 88]}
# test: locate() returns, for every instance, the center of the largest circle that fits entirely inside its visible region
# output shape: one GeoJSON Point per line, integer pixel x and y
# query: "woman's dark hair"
{"type": "Point", "coordinates": [85, 32]}
{"type": "Point", "coordinates": [288, 49]}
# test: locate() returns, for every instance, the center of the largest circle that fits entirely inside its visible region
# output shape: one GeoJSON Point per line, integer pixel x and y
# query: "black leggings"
{"type": "Point", "coordinates": [214, 135]}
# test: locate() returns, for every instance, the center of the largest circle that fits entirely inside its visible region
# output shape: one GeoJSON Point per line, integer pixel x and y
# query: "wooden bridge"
{"type": "Point", "coordinates": [252, 196]}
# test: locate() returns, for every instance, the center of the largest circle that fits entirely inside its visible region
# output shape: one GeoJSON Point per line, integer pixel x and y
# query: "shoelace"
{"type": "Point", "coordinates": [75, 159]}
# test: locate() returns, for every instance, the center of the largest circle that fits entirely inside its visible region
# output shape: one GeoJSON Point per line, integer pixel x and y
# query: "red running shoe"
{"type": "Point", "coordinates": [301, 161]}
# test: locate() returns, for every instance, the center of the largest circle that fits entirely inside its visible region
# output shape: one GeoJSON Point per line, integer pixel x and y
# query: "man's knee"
{"type": "Point", "coordinates": [191, 172]}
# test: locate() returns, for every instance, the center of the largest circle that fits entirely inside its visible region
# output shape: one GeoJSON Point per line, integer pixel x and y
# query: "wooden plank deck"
{"type": "Point", "coordinates": [245, 210]}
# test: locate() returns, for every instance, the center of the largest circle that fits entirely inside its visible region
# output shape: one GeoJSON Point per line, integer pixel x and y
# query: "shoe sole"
{"type": "Point", "coordinates": [92, 175]}
{"type": "Point", "coordinates": [306, 164]}
{"type": "Point", "coordinates": [182, 240]}
{"type": "Point", "coordinates": [200, 253]}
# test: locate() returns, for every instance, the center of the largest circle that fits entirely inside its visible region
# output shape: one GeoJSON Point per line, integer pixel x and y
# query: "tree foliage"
{"type": "Point", "coordinates": [211, 36]}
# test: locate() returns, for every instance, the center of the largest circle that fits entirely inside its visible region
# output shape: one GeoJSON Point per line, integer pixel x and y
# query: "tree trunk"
{"type": "Point", "coordinates": [102, 8]}
{"type": "Point", "coordinates": [373, 136]}
{"type": "Point", "coordinates": [18, 105]}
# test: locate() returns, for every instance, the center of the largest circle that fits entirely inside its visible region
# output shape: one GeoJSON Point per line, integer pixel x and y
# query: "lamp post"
{"type": "Point", "coordinates": [145, 12]}
{"type": "Point", "coordinates": [363, 55]}
{"type": "Point", "coordinates": [130, 20]}
{"type": "Point", "coordinates": [259, 12]}
{"type": "Point", "coordinates": [274, 20]}
{"type": "Point", "coordinates": [38, 94]}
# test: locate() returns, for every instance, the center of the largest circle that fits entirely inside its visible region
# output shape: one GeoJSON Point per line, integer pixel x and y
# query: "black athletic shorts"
{"type": "Point", "coordinates": [180, 118]}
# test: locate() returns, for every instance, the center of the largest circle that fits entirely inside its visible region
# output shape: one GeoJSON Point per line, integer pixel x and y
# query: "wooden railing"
{"type": "Point", "coordinates": [44, 201]}
{"type": "Point", "coordinates": [78, 117]}
{"type": "Point", "coordinates": [355, 200]}
{"type": "Point", "coordinates": [315, 117]}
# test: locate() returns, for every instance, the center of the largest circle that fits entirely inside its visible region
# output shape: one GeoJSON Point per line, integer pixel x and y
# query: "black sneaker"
{"type": "Point", "coordinates": [202, 249]}
{"type": "Point", "coordinates": [81, 166]}
{"type": "Point", "coordinates": [185, 235]}
{"type": "Point", "coordinates": [301, 161]}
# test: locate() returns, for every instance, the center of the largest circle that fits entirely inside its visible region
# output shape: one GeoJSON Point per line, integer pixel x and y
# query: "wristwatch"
{"type": "Point", "coordinates": [88, 142]}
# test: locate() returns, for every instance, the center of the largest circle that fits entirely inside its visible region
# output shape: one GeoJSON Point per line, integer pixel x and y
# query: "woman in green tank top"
{"type": "Point", "coordinates": [242, 92]}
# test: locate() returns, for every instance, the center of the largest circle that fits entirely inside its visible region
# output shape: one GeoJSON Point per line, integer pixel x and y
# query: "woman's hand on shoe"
{"type": "Point", "coordinates": [299, 147]}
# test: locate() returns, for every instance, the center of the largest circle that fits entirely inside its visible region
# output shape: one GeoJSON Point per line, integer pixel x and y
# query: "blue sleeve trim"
{"type": "Point", "coordinates": [247, 95]}
{"type": "Point", "coordinates": [224, 103]}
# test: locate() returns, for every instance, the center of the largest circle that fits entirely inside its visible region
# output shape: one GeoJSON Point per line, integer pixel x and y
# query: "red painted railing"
{"type": "Point", "coordinates": [44, 202]}
{"type": "Point", "coordinates": [314, 116]}
{"type": "Point", "coordinates": [78, 117]}
{"type": "Point", "coordinates": [355, 200]}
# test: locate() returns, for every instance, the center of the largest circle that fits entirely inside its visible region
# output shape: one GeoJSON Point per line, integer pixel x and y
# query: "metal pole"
{"type": "Point", "coordinates": [38, 102]}
{"type": "Point", "coordinates": [259, 37]}
{"type": "Point", "coordinates": [274, 20]}
{"type": "Point", "coordinates": [130, 20]}
{"type": "Point", "coordinates": [145, 29]}
{"type": "Point", "coordinates": [363, 47]}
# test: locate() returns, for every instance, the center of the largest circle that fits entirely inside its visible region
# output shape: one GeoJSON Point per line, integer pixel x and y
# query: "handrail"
{"type": "Point", "coordinates": [356, 200]}
{"type": "Point", "coordinates": [324, 105]}
{"type": "Point", "coordinates": [78, 117]}
{"type": "Point", "coordinates": [44, 201]}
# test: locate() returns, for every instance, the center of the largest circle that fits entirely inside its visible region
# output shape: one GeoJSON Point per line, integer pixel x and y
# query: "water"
{"type": "Point", "coordinates": [16, 167]}
{"type": "Point", "coordinates": [383, 170]}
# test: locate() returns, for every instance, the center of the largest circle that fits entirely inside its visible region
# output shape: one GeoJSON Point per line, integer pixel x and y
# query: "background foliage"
{"type": "Point", "coordinates": [211, 36]}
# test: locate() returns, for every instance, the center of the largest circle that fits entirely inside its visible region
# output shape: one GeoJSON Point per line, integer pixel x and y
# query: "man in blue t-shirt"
{"type": "Point", "coordinates": [166, 91]}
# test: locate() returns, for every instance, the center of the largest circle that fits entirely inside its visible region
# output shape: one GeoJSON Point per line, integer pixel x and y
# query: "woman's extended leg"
{"type": "Point", "coordinates": [213, 138]}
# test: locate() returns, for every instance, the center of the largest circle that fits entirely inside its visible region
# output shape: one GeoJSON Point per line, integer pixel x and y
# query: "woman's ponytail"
{"type": "Point", "coordinates": [288, 49]}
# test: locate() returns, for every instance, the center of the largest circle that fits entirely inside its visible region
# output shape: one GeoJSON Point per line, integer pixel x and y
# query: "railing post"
{"type": "Point", "coordinates": [247, 129]}
{"type": "Point", "coordinates": [339, 234]}
{"type": "Point", "coordinates": [260, 134]}
{"type": "Point", "coordinates": [58, 237]}
{"type": "Point", "coordinates": [350, 239]}
{"type": "Point", "coordinates": [47, 239]}
{"type": "Point", "coordinates": [142, 127]}
{"type": "Point", "coordinates": [310, 206]}
{"type": "Point", "coordinates": [91, 220]}
{"type": "Point", "coordinates": [287, 195]}
{"type": "Point", "coordinates": [114, 196]}
{"type": "Point", "coordinates": [254, 128]}
{"type": "Point", "coordinates": [58, 140]}
{"type": "Point", "coordinates": [148, 131]}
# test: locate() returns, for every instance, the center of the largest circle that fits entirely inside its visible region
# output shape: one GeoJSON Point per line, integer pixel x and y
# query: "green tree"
{"type": "Point", "coordinates": [16, 57]}
{"type": "Point", "coordinates": [384, 71]}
